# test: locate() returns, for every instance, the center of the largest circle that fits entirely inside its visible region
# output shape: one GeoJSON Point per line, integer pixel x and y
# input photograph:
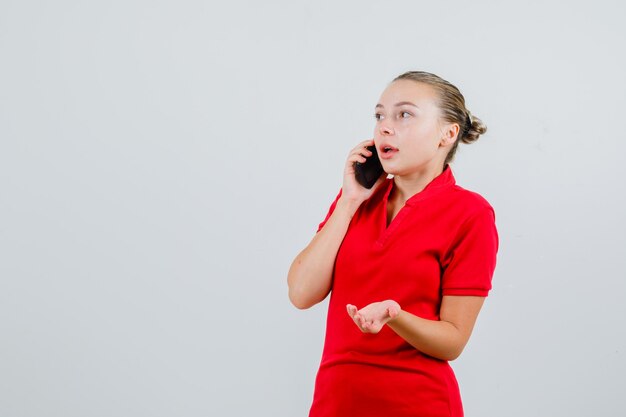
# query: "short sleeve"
{"type": "Point", "coordinates": [471, 259]}
{"type": "Point", "coordinates": [330, 211]}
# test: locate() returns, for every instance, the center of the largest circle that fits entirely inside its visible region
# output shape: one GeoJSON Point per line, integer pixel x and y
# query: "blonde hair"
{"type": "Point", "coordinates": [452, 106]}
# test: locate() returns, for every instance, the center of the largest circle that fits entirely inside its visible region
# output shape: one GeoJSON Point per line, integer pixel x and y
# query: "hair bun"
{"type": "Point", "coordinates": [476, 128]}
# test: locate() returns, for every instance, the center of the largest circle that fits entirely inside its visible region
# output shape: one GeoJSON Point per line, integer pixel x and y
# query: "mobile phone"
{"type": "Point", "coordinates": [368, 172]}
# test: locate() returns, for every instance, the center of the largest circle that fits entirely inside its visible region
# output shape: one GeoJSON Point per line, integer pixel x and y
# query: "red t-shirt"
{"type": "Point", "coordinates": [442, 242]}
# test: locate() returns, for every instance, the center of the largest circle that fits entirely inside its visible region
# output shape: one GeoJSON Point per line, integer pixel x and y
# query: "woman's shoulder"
{"type": "Point", "coordinates": [471, 200]}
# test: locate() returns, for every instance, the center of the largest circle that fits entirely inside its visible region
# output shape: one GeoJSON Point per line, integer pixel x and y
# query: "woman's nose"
{"type": "Point", "coordinates": [385, 129]}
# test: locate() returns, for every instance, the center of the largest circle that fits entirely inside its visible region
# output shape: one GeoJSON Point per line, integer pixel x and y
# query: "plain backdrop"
{"type": "Point", "coordinates": [162, 162]}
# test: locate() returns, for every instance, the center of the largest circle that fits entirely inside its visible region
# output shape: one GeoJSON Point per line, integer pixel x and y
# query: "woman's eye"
{"type": "Point", "coordinates": [405, 114]}
{"type": "Point", "coordinates": [378, 116]}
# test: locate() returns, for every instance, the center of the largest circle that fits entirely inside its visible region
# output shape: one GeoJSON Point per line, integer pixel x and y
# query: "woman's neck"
{"type": "Point", "coordinates": [406, 186]}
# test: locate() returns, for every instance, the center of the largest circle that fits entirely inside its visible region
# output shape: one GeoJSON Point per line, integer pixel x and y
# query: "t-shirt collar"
{"type": "Point", "coordinates": [440, 183]}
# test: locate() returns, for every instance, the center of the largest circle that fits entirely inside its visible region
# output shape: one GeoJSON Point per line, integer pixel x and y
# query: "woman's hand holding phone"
{"type": "Point", "coordinates": [352, 190]}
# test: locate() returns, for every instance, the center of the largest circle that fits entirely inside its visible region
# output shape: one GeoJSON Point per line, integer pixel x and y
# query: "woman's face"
{"type": "Point", "coordinates": [409, 135]}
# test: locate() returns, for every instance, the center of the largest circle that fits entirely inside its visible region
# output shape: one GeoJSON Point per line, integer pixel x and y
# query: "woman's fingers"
{"type": "Point", "coordinates": [352, 190]}
{"type": "Point", "coordinates": [363, 151]}
{"type": "Point", "coordinates": [362, 148]}
{"type": "Point", "coordinates": [359, 155]}
{"type": "Point", "coordinates": [356, 157]}
{"type": "Point", "coordinates": [365, 324]}
{"type": "Point", "coordinates": [364, 144]}
{"type": "Point", "coordinates": [356, 317]}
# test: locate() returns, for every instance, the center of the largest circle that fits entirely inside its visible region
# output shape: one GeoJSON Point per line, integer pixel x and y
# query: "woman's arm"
{"type": "Point", "coordinates": [310, 274]}
{"type": "Point", "coordinates": [443, 339]}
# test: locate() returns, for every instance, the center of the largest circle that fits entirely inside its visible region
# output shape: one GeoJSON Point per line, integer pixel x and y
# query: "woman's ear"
{"type": "Point", "coordinates": [450, 133]}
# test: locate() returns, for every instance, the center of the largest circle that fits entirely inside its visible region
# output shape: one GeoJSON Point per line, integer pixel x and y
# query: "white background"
{"type": "Point", "coordinates": [162, 162]}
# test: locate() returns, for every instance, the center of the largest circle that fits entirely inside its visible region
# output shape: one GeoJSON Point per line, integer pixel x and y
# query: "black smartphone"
{"type": "Point", "coordinates": [368, 172]}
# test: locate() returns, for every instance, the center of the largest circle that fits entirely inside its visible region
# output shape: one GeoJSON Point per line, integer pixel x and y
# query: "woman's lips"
{"type": "Point", "coordinates": [387, 152]}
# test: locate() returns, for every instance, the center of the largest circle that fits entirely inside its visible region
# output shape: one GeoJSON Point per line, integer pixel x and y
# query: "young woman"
{"type": "Point", "coordinates": [408, 262]}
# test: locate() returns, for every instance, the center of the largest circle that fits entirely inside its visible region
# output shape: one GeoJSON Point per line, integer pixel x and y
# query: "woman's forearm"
{"type": "Point", "coordinates": [310, 274]}
{"type": "Point", "coordinates": [439, 339]}
{"type": "Point", "coordinates": [444, 338]}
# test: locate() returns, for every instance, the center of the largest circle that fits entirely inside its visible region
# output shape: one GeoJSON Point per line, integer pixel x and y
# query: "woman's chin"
{"type": "Point", "coordinates": [391, 170]}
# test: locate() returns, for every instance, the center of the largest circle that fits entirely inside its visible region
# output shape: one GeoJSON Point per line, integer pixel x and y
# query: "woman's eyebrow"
{"type": "Point", "coordinates": [402, 103]}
